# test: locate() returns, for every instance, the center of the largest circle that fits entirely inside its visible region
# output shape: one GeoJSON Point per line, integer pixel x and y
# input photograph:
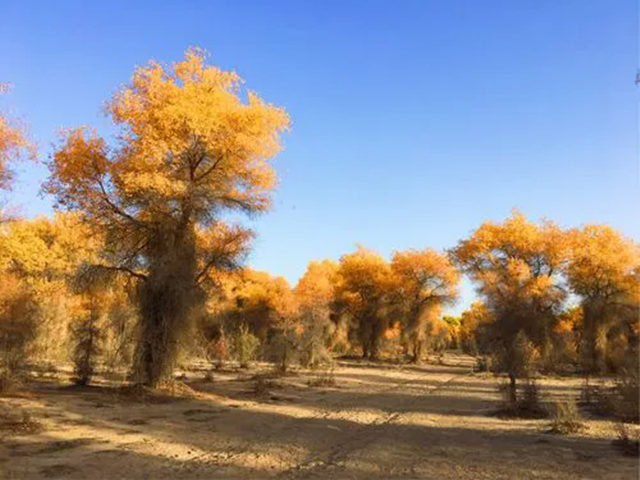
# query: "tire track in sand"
{"type": "Point", "coordinates": [329, 461]}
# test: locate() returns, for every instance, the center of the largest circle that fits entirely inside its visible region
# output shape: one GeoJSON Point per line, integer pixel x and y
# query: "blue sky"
{"type": "Point", "coordinates": [413, 121]}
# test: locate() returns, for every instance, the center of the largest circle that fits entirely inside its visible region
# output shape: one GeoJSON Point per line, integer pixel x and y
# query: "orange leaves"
{"type": "Point", "coordinates": [364, 277]}
{"type": "Point", "coordinates": [426, 275]}
{"type": "Point", "coordinates": [316, 287]}
{"type": "Point", "coordinates": [188, 142]}
{"type": "Point", "coordinates": [514, 259]}
{"type": "Point", "coordinates": [602, 262]}
{"type": "Point", "coordinates": [191, 114]}
{"type": "Point", "coordinates": [79, 167]}
{"type": "Point", "coordinates": [46, 249]}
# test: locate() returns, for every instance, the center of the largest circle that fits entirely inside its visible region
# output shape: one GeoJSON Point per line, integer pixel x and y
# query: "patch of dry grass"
{"type": "Point", "coordinates": [566, 419]}
{"type": "Point", "coordinates": [624, 443]}
{"type": "Point", "coordinates": [18, 423]}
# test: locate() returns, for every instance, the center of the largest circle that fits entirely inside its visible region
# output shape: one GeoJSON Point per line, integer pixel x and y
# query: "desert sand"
{"type": "Point", "coordinates": [378, 421]}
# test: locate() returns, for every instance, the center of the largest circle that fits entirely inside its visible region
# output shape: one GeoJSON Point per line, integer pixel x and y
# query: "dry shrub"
{"type": "Point", "coordinates": [313, 351]}
{"type": "Point", "coordinates": [86, 336]}
{"type": "Point", "coordinates": [162, 393]}
{"type": "Point", "coordinates": [627, 395]}
{"type": "Point", "coordinates": [624, 443]}
{"type": "Point", "coordinates": [18, 424]}
{"type": "Point", "coordinates": [262, 385]}
{"type": "Point", "coordinates": [527, 404]}
{"type": "Point", "coordinates": [118, 338]}
{"type": "Point", "coordinates": [483, 364]}
{"type": "Point", "coordinates": [282, 348]}
{"type": "Point", "coordinates": [245, 346]}
{"type": "Point", "coordinates": [325, 378]}
{"type": "Point", "coordinates": [9, 382]}
{"type": "Point", "coordinates": [566, 419]}
{"type": "Point", "coordinates": [621, 401]}
{"type": "Point", "coordinates": [18, 310]}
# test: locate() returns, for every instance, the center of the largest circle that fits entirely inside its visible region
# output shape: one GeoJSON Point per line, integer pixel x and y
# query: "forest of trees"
{"type": "Point", "coordinates": [139, 269]}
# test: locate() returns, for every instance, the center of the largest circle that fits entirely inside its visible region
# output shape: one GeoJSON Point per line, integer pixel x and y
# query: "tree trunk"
{"type": "Point", "coordinates": [513, 397]}
{"type": "Point", "coordinates": [417, 352]}
{"type": "Point", "coordinates": [167, 297]}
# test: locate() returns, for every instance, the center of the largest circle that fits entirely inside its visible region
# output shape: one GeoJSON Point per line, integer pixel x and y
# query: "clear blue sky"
{"type": "Point", "coordinates": [413, 121]}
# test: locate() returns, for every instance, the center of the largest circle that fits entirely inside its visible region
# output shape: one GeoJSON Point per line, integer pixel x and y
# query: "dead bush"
{"type": "Point", "coordinates": [9, 382]}
{"type": "Point", "coordinates": [18, 311]}
{"type": "Point", "coordinates": [86, 336]}
{"type": "Point", "coordinates": [325, 378]}
{"type": "Point", "coordinates": [18, 423]}
{"type": "Point", "coordinates": [624, 443]}
{"type": "Point", "coordinates": [566, 419]}
{"type": "Point", "coordinates": [620, 401]}
{"type": "Point", "coordinates": [262, 386]}
{"type": "Point", "coordinates": [245, 346]}
{"type": "Point", "coordinates": [527, 402]}
{"type": "Point", "coordinates": [282, 348]}
{"type": "Point", "coordinates": [483, 364]}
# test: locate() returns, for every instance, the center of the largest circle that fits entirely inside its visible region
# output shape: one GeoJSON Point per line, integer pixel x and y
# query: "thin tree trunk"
{"type": "Point", "coordinates": [513, 398]}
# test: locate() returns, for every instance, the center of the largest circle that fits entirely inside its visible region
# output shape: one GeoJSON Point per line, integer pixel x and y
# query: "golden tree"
{"type": "Point", "coordinates": [473, 323]}
{"type": "Point", "coordinates": [263, 306]}
{"type": "Point", "coordinates": [427, 280]}
{"type": "Point", "coordinates": [40, 255]}
{"type": "Point", "coordinates": [189, 150]}
{"type": "Point", "coordinates": [364, 293]}
{"type": "Point", "coordinates": [314, 293]}
{"type": "Point", "coordinates": [603, 272]}
{"type": "Point", "coordinates": [516, 266]}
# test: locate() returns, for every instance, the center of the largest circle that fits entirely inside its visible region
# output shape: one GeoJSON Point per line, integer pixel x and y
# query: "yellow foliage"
{"type": "Point", "coordinates": [515, 259]}
{"type": "Point", "coordinates": [316, 286]}
{"type": "Point", "coordinates": [603, 263]}
{"type": "Point", "coordinates": [186, 136]}
{"type": "Point", "coordinates": [426, 276]}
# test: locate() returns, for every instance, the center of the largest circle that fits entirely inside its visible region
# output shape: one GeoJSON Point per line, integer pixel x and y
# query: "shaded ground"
{"type": "Point", "coordinates": [379, 421]}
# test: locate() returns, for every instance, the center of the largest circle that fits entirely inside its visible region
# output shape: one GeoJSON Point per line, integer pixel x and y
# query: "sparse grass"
{"type": "Point", "coordinates": [566, 419]}
{"type": "Point", "coordinates": [9, 383]}
{"type": "Point", "coordinates": [18, 424]}
{"type": "Point", "coordinates": [527, 405]}
{"type": "Point", "coordinates": [323, 379]}
{"type": "Point", "coordinates": [262, 386]}
{"type": "Point", "coordinates": [165, 392]}
{"type": "Point", "coordinates": [483, 364]}
{"type": "Point", "coordinates": [619, 402]}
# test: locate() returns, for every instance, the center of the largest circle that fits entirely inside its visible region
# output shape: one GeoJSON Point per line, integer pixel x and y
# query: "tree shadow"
{"type": "Point", "coordinates": [216, 440]}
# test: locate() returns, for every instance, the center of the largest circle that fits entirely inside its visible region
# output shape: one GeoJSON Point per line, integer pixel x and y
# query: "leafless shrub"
{"type": "Point", "coordinates": [566, 419]}
{"type": "Point", "coordinates": [483, 364]}
{"type": "Point", "coordinates": [18, 423]}
{"type": "Point", "coordinates": [624, 443]}
{"type": "Point", "coordinates": [86, 336]}
{"type": "Point", "coordinates": [325, 378]}
{"type": "Point", "coordinates": [262, 386]}
{"type": "Point", "coordinates": [9, 382]}
{"type": "Point", "coordinates": [18, 311]}
{"type": "Point", "coordinates": [527, 403]}
{"type": "Point", "coordinates": [620, 401]}
{"type": "Point", "coordinates": [245, 346]}
{"type": "Point", "coordinates": [282, 349]}
{"type": "Point", "coordinates": [313, 350]}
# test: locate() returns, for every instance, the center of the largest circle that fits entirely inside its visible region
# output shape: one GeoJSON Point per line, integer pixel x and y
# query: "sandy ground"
{"type": "Point", "coordinates": [379, 421]}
